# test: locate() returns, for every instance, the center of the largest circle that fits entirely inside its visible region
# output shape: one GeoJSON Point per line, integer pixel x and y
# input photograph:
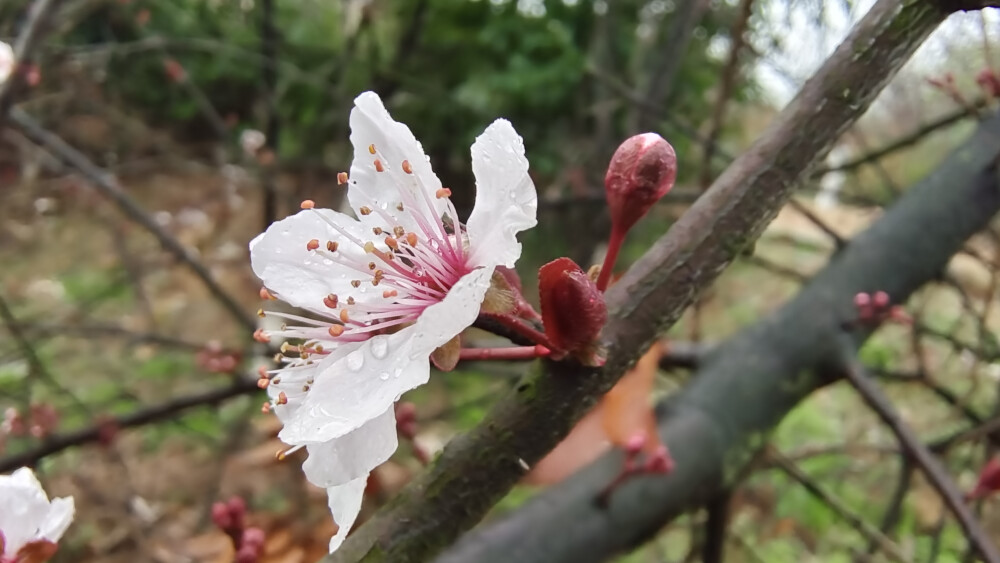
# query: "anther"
{"type": "Point", "coordinates": [371, 265]}
{"type": "Point", "coordinates": [262, 371]}
{"type": "Point", "coordinates": [398, 231]}
{"type": "Point", "coordinates": [442, 193]}
{"type": "Point", "coordinates": [260, 336]}
{"type": "Point", "coordinates": [407, 168]}
{"type": "Point", "coordinates": [365, 210]}
{"type": "Point", "coordinates": [411, 238]}
{"type": "Point", "coordinates": [378, 166]}
{"type": "Point", "coordinates": [371, 149]}
{"type": "Point", "coordinates": [336, 330]}
{"type": "Point", "coordinates": [331, 301]}
{"type": "Point", "coordinates": [350, 300]}
{"type": "Point", "coordinates": [389, 293]}
{"type": "Point", "coordinates": [263, 383]}
{"type": "Point", "coordinates": [391, 243]}
{"type": "Point", "coordinates": [399, 206]}
{"type": "Point", "coordinates": [266, 294]}
{"type": "Point", "coordinates": [260, 313]}
{"type": "Point", "coordinates": [282, 398]}
{"type": "Point", "coordinates": [356, 283]}
{"type": "Point", "coordinates": [377, 231]}
{"type": "Point", "coordinates": [331, 246]}
{"type": "Point", "coordinates": [341, 178]}
{"type": "Point", "coordinates": [369, 247]}
{"type": "Point", "coordinates": [343, 316]}
{"type": "Point", "coordinates": [280, 455]}
{"type": "Point", "coordinates": [307, 204]}
{"type": "Point", "coordinates": [265, 408]}
{"type": "Point", "coordinates": [312, 245]}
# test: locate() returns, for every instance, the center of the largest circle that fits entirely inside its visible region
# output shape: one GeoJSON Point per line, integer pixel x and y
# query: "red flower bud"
{"type": "Point", "coordinates": [573, 309]}
{"type": "Point", "coordinates": [989, 480]}
{"type": "Point", "coordinates": [642, 170]}
{"type": "Point", "coordinates": [253, 537]}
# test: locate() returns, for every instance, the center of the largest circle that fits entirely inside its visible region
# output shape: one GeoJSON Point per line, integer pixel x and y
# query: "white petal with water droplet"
{"type": "Point", "coordinates": [506, 202]}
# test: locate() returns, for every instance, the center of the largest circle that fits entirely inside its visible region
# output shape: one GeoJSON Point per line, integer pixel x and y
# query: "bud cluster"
{"type": "Point", "coordinates": [230, 517]}
{"type": "Point", "coordinates": [875, 309]}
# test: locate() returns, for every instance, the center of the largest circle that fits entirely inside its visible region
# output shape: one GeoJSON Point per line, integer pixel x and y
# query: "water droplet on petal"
{"type": "Point", "coordinates": [356, 360]}
{"type": "Point", "coordinates": [380, 347]}
{"type": "Point", "coordinates": [397, 372]}
{"type": "Point", "coordinates": [384, 376]}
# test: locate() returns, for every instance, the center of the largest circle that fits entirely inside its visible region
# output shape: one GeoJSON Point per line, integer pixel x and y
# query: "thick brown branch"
{"type": "Point", "coordinates": [477, 469]}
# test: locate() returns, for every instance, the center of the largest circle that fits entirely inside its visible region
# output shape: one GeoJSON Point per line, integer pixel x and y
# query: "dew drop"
{"type": "Point", "coordinates": [512, 194]}
{"type": "Point", "coordinates": [380, 346]}
{"type": "Point", "coordinates": [397, 372]}
{"type": "Point", "coordinates": [435, 244]}
{"type": "Point", "coordinates": [356, 360]}
{"type": "Point", "coordinates": [384, 376]}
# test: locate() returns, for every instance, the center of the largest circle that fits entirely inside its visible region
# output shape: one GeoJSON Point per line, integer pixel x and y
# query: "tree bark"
{"type": "Point", "coordinates": [747, 384]}
{"type": "Point", "coordinates": [478, 468]}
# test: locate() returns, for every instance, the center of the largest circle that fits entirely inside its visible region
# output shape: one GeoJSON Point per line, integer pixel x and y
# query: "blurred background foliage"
{"type": "Point", "coordinates": [159, 92]}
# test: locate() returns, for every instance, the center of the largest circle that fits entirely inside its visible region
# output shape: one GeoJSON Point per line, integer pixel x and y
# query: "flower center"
{"type": "Point", "coordinates": [399, 273]}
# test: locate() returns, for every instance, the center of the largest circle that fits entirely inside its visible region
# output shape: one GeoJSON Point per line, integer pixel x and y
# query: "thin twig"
{"type": "Point", "coordinates": [156, 413]}
{"type": "Point", "coordinates": [31, 34]}
{"type": "Point", "coordinates": [107, 184]}
{"type": "Point", "coordinates": [922, 456]}
{"type": "Point", "coordinates": [870, 532]}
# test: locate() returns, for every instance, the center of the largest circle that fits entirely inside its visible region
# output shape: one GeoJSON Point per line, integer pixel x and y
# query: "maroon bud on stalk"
{"type": "Point", "coordinates": [642, 170]}
{"type": "Point", "coordinates": [221, 517]}
{"type": "Point", "coordinates": [573, 309]}
{"type": "Point", "coordinates": [253, 537]}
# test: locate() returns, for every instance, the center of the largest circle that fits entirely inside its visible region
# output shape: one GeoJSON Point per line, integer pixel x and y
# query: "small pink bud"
{"type": "Point", "coordinates": [221, 516]}
{"type": "Point", "coordinates": [642, 170]}
{"type": "Point", "coordinates": [635, 444]}
{"type": "Point", "coordinates": [880, 299]}
{"type": "Point", "coordinates": [862, 300]}
{"type": "Point", "coordinates": [660, 461]}
{"type": "Point", "coordinates": [253, 537]}
{"type": "Point", "coordinates": [573, 309]}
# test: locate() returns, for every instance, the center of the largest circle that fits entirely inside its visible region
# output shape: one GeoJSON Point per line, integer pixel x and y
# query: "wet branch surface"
{"type": "Point", "coordinates": [747, 384]}
{"type": "Point", "coordinates": [478, 468]}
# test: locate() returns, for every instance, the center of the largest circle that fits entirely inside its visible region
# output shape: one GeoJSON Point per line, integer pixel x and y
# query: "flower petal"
{"type": "Point", "coordinates": [371, 125]}
{"type": "Point", "coordinates": [506, 202]}
{"type": "Point", "coordinates": [365, 382]}
{"type": "Point", "coordinates": [25, 507]}
{"type": "Point", "coordinates": [354, 454]}
{"type": "Point", "coordinates": [345, 504]}
{"type": "Point", "coordinates": [300, 277]}
{"type": "Point", "coordinates": [59, 517]}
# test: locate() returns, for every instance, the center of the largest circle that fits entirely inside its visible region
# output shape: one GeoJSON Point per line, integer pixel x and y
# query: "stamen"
{"type": "Point", "coordinates": [391, 243]}
{"type": "Point", "coordinates": [331, 300]}
{"type": "Point", "coordinates": [411, 238]}
{"type": "Point", "coordinates": [260, 313]}
{"type": "Point", "coordinates": [377, 231]}
{"type": "Point", "coordinates": [407, 168]}
{"type": "Point", "coordinates": [307, 204]}
{"type": "Point", "coordinates": [341, 178]}
{"type": "Point", "coordinates": [312, 245]}
{"type": "Point", "coordinates": [371, 265]}
{"type": "Point", "coordinates": [332, 246]}
{"type": "Point", "coordinates": [282, 398]}
{"type": "Point", "coordinates": [265, 408]}
{"type": "Point", "coordinates": [263, 383]}
{"type": "Point", "coordinates": [371, 148]}
{"type": "Point", "coordinates": [365, 210]}
{"type": "Point", "coordinates": [343, 316]}
{"type": "Point", "coordinates": [336, 330]}
{"type": "Point", "coordinates": [369, 247]}
{"type": "Point", "coordinates": [399, 206]}
{"type": "Point", "coordinates": [260, 336]}
{"type": "Point", "coordinates": [378, 166]}
{"type": "Point", "coordinates": [356, 283]}
{"type": "Point", "coordinates": [389, 293]}
{"type": "Point", "coordinates": [398, 231]}
{"type": "Point", "coordinates": [266, 294]}
{"type": "Point", "coordinates": [442, 193]}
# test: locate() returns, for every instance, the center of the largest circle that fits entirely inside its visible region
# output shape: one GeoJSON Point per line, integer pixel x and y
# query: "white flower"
{"type": "Point", "coordinates": [6, 61]}
{"type": "Point", "coordinates": [385, 290]}
{"type": "Point", "coordinates": [27, 516]}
